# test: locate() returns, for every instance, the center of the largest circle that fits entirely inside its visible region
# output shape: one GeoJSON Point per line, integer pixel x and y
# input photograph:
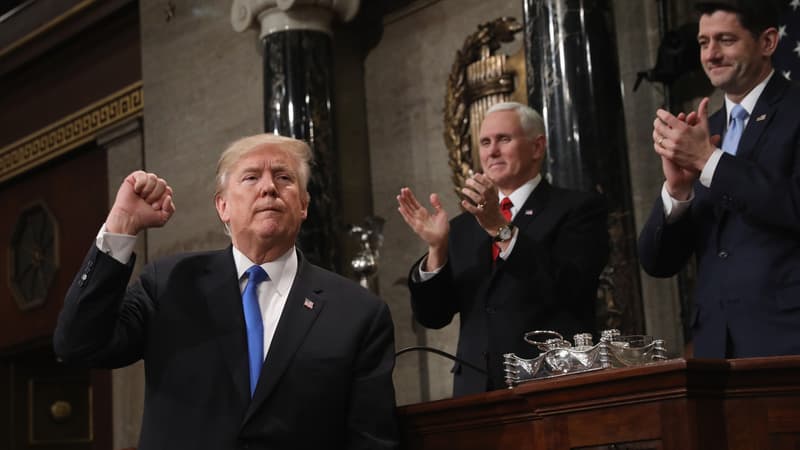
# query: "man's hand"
{"type": "Point", "coordinates": [686, 143]}
{"type": "Point", "coordinates": [433, 228]}
{"type": "Point", "coordinates": [143, 201]}
{"type": "Point", "coordinates": [483, 202]}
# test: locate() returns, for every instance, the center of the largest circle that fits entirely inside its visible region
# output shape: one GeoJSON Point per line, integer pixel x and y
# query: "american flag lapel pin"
{"type": "Point", "coordinates": [308, 304]}
{"type": "Point", "coordinates": [528, 212]}
{"type": "Point", "coordinates": [761, 117]}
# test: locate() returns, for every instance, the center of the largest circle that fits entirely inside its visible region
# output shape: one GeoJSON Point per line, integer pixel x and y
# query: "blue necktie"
{"type": "Point", "coordinates": [255, 327]}
{"type": "Point", "coordinates": [731, 142]}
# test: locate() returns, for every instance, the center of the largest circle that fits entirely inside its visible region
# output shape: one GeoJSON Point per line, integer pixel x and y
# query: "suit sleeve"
{"type": "Point", "coordinates": [102, 322]}
{"type": "Point", "coordinates": [665, 248]}
{"type": "Point", "coordinates": [372, 422]}
{"type": "Point", "coordinates": [433, 301]}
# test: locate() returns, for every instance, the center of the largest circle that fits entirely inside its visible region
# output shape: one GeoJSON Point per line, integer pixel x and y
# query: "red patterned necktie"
{"type": "Point", "coordinates": [505, 209]}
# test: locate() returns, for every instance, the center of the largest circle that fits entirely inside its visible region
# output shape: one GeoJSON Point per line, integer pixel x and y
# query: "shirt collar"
{"type": "Point", "coordinates": [749, 100]}
{"type": "Point", "coordinates": [521, 194]}
{"type": "Point", "coordinates": [281, 271]}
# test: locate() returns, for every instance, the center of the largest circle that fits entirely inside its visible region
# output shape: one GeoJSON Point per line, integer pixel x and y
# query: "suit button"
{"type": "Point", "coordinates": [490, 310]}
{"type": "Point", "coordinates": [723, 254]}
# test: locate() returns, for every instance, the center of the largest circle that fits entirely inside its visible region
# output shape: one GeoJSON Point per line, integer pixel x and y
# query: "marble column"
{"type": "Point", "coordinates": [573, 80]}
{"type": "Point", "coordinates": [298, 79]}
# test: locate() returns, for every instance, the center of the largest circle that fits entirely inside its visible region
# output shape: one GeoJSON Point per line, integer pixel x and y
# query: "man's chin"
{"type": "Point", "coordinates": [495, 173]}
{"type": "Point", "coordinates": [719, 78]}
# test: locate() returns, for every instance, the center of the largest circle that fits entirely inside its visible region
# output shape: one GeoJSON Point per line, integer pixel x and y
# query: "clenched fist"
{"type": "Point", "coordinates": [143, 201]}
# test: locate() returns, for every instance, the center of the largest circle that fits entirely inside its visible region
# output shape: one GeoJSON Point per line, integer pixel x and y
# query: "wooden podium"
{"type": "Point", "coordinates": [695, 404]}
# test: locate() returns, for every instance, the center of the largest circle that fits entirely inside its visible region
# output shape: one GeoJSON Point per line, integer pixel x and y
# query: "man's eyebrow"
{"type": "Point", "coordinates": [279, 165]}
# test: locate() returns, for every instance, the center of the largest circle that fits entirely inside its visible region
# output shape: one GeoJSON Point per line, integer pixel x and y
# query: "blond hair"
{"type": "Point", "coordinates": [240, 148]}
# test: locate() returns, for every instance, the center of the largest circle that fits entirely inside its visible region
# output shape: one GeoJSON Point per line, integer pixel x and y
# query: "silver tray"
{"type": "Point", "coordinates": [559, 357]}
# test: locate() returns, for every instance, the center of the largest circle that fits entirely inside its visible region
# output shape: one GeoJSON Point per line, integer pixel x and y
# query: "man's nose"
{"type": "Point", "coordinates": [268, 187]}
{"type": "Point", "coordinates": [711, 51]}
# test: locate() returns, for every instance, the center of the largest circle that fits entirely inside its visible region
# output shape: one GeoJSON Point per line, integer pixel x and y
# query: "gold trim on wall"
{"type": "Point", "coordinates": [70, 132]}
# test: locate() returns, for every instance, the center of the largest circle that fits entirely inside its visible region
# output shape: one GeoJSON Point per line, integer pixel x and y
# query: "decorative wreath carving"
{"type": "Point", "coordinates": [490, 35]}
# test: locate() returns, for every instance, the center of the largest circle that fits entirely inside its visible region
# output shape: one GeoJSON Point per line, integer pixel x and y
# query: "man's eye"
{"type": "Point", "coordinates": [505, 138]}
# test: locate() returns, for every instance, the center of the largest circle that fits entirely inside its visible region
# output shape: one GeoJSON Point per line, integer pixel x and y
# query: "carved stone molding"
{"type": "Point", "coordinates": [70, 132]}
{"type": "Point", "coordinates": [283, 15]}
{"type": "Point", "coordinates": [478, 79]}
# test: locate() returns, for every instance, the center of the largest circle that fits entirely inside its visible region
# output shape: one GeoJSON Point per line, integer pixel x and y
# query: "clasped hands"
{"type": "Point", "coordinates": [684, 144]}
{"type": "Point", "coordinates": [143, 201]}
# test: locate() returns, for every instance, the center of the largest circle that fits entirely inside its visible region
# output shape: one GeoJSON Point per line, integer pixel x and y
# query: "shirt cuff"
{"type": "Point", "coordinates": [117, 246]}
{"type": "Point", "coordinates": [711, 166]}
{"type": "Point", "coordinates": [674, 209]}
{"type": "Point", "coordinates": [423, 275]}
{"type": "Point", "coordinates": [507, 252]}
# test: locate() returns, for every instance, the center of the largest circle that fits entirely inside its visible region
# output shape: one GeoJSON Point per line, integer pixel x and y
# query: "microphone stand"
{"type": "Point", "coordinates": [440, 353]}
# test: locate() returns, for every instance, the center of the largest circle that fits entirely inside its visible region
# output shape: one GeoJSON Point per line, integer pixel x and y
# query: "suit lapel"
{"type": "Point", "coordinates": [761, 116]}
{"type": "Point", "coordinates": [296, 320]}
{"type": "Point", "coordinates": [220, 285]}
{"type": "Point", "coordinates": [533, 206]}
{"type": "Point", "coordinates": [716, 123]}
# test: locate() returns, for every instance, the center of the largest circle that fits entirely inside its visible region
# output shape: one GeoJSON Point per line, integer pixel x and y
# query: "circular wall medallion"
{"type": "Point", "coordinates": [33, 256]}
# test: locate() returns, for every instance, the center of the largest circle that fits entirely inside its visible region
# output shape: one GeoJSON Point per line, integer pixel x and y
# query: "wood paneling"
{"type": "Point", "coordinates": [674, 405]}
{"type": "Point", "coordinates": [74, 190]}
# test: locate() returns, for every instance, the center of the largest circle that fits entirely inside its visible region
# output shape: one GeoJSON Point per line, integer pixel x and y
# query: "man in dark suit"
{"type": "Point", "coordinates": [528, 262]}
{"type": "Point", "coordinates": [736, 207]}
{"type": "Point", "coordinates": [246, 347]}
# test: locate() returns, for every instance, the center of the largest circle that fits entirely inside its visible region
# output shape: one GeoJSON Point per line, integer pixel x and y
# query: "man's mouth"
{"type": "Point", "coordinates": [267, 209]}
{"type": "Point", "coordinates": [716, 67]}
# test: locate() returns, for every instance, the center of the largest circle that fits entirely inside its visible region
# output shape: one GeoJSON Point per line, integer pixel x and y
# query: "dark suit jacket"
{"type": "Point", "coordinates": [745, 232]}
{"type": "Point", "coordinates": [549, 282]}
{"type": "Point", "coordinates": [326, 382]}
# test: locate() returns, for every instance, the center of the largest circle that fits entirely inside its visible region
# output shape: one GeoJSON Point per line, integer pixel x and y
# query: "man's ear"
{"type": "Point", "coordinates": [222, 208]}
{"type": "Point", "coordinates": [540, 147]}
{"type": "Point", "coordinates": [304, 202]}
{"type": "Point", "coordinates": [769, 41]}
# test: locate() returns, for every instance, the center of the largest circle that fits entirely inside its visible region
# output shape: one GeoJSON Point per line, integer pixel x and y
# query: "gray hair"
{"type": "Point", "coordinates": [530, 121]}
{"type": "Point", "coordinates": [295, 148]}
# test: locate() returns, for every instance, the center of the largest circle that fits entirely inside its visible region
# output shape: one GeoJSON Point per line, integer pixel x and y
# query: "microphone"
{"type": "Point", "coordinates": [422, 348]}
